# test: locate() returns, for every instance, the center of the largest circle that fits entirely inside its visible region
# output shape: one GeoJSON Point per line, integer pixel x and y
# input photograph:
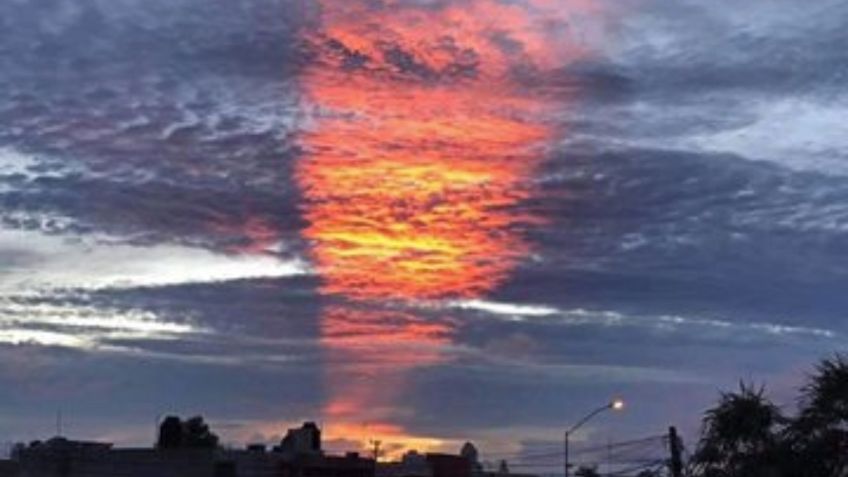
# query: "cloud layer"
{"type": "Point", "coordinates": [688, 227]}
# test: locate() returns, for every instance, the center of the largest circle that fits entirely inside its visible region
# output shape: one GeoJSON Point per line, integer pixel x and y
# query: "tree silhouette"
{"type": "Point", "coordinates": [819, 436]}
{"type": "Point", "coordinates": [170, 433]}
{"type": "Point", "coordinates": [196, 434]}
{"type": "Point", "coordinates": [191, 434]}
{"type": "Point", "coordinates": [740, 437]}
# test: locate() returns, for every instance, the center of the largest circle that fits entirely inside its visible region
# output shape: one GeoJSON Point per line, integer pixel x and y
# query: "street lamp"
{"type": "Point", "coordinates": [614, 405]}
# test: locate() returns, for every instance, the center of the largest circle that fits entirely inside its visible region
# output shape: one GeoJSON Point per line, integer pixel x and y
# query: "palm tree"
{"type": "Point", "coordinates": [819, 436]}
{"type": "Point", "coordinates": [740, 437]}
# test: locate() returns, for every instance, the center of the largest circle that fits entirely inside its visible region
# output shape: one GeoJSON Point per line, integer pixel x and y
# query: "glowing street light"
{"type": "Point", "coordinates": [617, 405]}
{"type": "Point", "coordinates": [614, 405]}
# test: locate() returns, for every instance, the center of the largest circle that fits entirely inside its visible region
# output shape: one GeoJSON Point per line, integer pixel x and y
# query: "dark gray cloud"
{"type": "Point", "coordinates": [677, 49]}
{"type": "Point", "coordinates": [687, 231]}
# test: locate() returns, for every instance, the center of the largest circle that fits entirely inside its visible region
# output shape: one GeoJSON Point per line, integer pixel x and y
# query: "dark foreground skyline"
{"type": "Point", "coordinates": [421, 221]}
{"type": "Point", "coordinates": [744, 434]}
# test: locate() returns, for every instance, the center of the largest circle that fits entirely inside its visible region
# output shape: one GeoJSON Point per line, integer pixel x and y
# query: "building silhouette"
{"type": "Point", "coordinates": [299, 454]}
{"type": "Point", "coordinates": [9, 468]}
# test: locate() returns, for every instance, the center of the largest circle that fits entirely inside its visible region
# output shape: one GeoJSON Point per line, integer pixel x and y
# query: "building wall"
{"type": "Point", "coordinates": [118, 463]}
{"type": "Point", "coordinates": [446, 465]}
{"type": "Point", "coordinates": [77, 462]}
{"type": "Point", "coordinates": [8, 468]}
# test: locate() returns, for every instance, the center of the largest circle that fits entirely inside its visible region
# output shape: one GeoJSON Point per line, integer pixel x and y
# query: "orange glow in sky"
{"type": "Point", "coordinates": [423, 144]}
{"type": "Point", "coordinates": [370, 354]}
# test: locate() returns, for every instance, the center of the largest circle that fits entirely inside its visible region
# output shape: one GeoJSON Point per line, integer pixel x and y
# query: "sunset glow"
{"type": "Point", "coordinates": [416, 224]}
{"type": "Point", "coordinates": [424, 143]}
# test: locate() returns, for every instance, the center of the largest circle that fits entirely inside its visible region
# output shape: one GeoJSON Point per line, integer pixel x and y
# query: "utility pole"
{"type": "Point", "coordinates": [675, 446]}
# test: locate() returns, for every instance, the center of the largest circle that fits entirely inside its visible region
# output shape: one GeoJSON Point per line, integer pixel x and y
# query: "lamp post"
{"type": "Point", "coordinates": [615, 405]}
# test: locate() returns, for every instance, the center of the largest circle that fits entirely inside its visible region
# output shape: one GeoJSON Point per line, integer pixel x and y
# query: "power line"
{"type": "Point", "coordinates": [629, 456]}
{"type": "Point", "coordinates": [558, 452]}
{"type": "Point", "coordinates": [623, 472]}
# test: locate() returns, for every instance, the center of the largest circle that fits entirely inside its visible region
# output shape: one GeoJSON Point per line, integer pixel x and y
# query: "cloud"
{"type": "Point", "coordinates": [507, 309]}
{"type": "Point", "coordinates": [15, 164]}
{"type": "Point", "coordinates": [53, 262]}
{"type": "Point", "coordinates": [250, 34]}
{"type": "Point", "coordinates": [716, 330]}
{"type": "Point", "coordinates": [803, 135]}
{"type": "Point", "coordinates": [762, 81]}
{"type": "Point", "coordinates": [55, 292]}
{"type": "Point", "coordinates": [66, 263]}
{"type": "Point", "coordinates": [51, 323]}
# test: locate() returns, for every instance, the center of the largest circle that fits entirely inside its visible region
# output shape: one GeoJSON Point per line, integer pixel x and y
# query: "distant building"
{"type": "Point", "coordinates": [61, 457]}
{"type": "Point", "coordinates": [306, 465]}
{"type": "Point", "coordinates": [412, 464]}
{"type": "Point", "coordinates": [466, 464]}
{"type": "Point", "coordinates": [305, 440]}
{"type": "Point", "coordinates": [449, 465]}
{"type": "Point", "coordinates": [469, 452]}
{"type": "Point", "coordinates": [299, 455]}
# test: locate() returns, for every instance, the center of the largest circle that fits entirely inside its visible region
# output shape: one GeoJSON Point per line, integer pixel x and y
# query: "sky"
{"type": "Point", "coordinates": [416, 221]}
